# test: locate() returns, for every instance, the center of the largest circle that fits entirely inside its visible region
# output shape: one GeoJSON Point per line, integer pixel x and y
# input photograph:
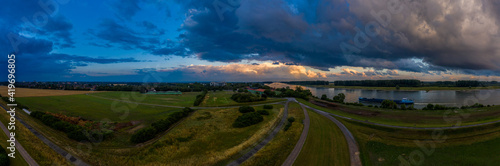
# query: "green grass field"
{"type": "Point", "coordinates": [468, 146]}
{"type": "Point", "coordinates": [278, 149]}
{"type": "Point", "coordinates": [219, 98]}
{"type": "Point", "coordinates": [325, 144]}
{"type": "Point", "coordinates": [414, 118]}
{"type": "Point", "coordinates": [405, 88]}
{"type": "Point", "coordinates": [184, 100]}
{"type": "Point", "coordinates": [96, 109]}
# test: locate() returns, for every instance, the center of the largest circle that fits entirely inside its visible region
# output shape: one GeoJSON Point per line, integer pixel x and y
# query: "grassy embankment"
{"type": "Point", "coordinates": [38, 150]}
{"type": "Point", "coordinates": [405, 88]}
{"type": "Point", "coordinates": [278, 149]}
{"type": "Point", "coordinates": [19, 160]}
{"type": "Point", "coordinates": [325, 144]}
{"type": "Point", "coordinates": [412, 118]}
{"type": "Point", "coordinates": [467, 146]}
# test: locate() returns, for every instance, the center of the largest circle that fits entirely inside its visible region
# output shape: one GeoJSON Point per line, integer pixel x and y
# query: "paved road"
{"type": "Point", "coordinates": [263, 143]}
{"type": "Point", "coordinates": [298, 147]}
{"type": "Point", "coordinates": [169, 106]}
{"type": "Point", "coordinates": [68, 156]}
{"type": "Point", "coordinates": [19, 147]}
{"type": "Point", "coordinates": [351, 142]}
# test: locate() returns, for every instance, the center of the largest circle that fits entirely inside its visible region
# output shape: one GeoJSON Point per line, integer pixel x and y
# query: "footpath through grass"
{"type": "Point", "coordinates": [325, 144]}
{"type": "Point", "coordinates": [278, 149]}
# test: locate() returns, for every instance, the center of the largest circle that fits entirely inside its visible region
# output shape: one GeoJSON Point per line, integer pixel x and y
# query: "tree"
{"type": "Point", "coordinates": [389, 104]}
{"type": "Point", "coordinates": [397, 87]}
{"type": "Point", "coordinates": [339, 98]}
{"type": "Point", "coordinates": [324, 97]}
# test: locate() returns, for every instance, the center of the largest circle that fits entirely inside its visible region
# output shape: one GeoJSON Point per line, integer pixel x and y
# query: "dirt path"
{"type": "Point", "coordinates": [19, 147]}
{"type": "Point", "coordinates": [351, 142]}
{"type": "Point", "coordinates": [302, 140]}
{"type": "Point", "coordinates": [263, 143]}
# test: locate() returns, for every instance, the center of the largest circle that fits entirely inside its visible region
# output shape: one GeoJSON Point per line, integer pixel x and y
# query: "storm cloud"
{"type": "Point", "coordinates": [419, 36]}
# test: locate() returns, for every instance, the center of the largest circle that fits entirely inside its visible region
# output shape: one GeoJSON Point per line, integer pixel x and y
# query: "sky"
{"type": "Point", "coordinates": [250, 40]}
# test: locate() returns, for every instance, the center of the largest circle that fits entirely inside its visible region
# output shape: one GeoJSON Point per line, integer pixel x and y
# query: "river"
{"type": "Point", "coordinates": [451, 98]}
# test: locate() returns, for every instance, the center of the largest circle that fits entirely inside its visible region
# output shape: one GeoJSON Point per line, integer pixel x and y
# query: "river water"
{"type": "Point", "coordinates": [449, 98]}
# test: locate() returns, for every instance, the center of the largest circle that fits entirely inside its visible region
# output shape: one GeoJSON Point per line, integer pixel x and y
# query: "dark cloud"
{"type": "Point", "coordinates": [419, 39]}
{"type": "Point", "coordinates": [113, 33]}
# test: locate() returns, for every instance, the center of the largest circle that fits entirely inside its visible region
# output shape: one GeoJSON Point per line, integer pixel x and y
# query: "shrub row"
{"type": "Point", "coordinates": [159, 126]}
{"type": "Point", "coordinates": [73, 131]}
{"type": "Point", "coordinates": [199, 98]}
{"type": "Point", "coordinates": [247, 97]}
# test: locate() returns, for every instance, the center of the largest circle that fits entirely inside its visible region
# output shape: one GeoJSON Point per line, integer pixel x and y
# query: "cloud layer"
{"type": "Point", "coordinates": [423, 36]}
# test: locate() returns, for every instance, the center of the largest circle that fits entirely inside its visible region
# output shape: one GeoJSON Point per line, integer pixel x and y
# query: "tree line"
{"type": "Point", "coordinates": [380, 83]}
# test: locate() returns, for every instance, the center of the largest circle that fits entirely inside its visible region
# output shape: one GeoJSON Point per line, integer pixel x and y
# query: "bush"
{"type": "Point", "coordinates": [291, 119]}
{"type": "Point", "coordinates": [143, 135]}
{"type": "Point", "coordinates": [263, 112]}
{"type": "Point", "coordinates": [287, 126]}
{"type": "Point", "coordinates": [4, 158]}
{"type": "Point", "coordinates": [162, 125]}
{"type": "Point", "coordinates": [199, 98]}
{"type": "Point", "coordinates": [339, 98]}
{"type": "Point", "coordinates": [37, 114]}
{"type": "Point", "coordinates": [248, 119]}
{"type": "Point", "coordinates": [389, 104]}
{"type": "Point", "coordinates": [268, 106]}
{"type": "Point", "coordinates": [247, 97]}
{"type": "Point", "coordinates": [78, 134]}
{"type": "Point", "coordinates": [245, 109]}
{"type": "Point", "coordinates": [403, 107]}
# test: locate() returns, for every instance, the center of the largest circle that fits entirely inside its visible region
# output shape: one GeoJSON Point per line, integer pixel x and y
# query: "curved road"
{"type": "Point", "coordinates": [351, 142]}
{"type": "Point", "coordinates": [298, 147]}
